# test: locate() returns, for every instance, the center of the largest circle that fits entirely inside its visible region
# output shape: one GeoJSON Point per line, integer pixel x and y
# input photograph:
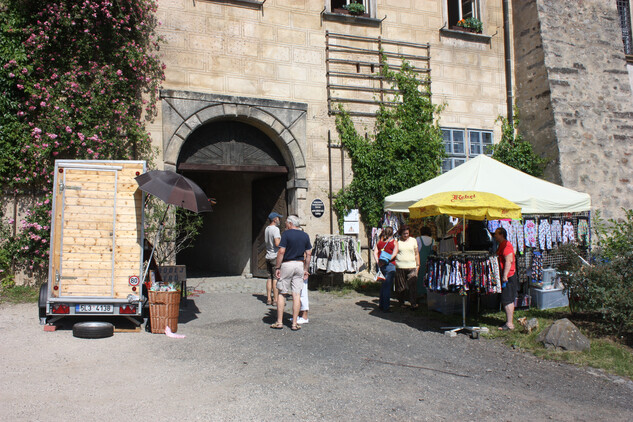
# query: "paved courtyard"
{"type": "Point", "coordinates": [350, 362]}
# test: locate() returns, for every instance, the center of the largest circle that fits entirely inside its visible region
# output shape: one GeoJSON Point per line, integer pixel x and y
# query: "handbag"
{"type": "Point", "coordinates": [379, 276]}
{"type": "Point", "coordinates": [384, 255]}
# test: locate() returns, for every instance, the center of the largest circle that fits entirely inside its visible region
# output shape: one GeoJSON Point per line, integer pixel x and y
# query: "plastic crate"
{"type": "Point", "coordinates": [547, 299]}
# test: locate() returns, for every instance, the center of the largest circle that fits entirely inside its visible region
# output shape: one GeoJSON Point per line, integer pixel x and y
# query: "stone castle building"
{"type": "Point", "coordinates": [252, 88]}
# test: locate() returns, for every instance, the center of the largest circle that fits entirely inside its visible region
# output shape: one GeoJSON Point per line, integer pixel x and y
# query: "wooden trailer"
{"type": "Point", "coordinates": [96, 248]}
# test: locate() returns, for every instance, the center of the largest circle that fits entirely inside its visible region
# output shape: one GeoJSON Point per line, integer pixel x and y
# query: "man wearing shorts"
{"type": "Point", "coordinates": [509, 281]}
{"type": "Point", "coordinates": [272, 237]}
{"type": "Point", "coordinates": [293, 259]}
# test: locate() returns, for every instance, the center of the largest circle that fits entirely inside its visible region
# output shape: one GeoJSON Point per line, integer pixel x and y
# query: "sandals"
{"type": "Point", "coordinates": [295, 327]}
{"type": "Point", "coordinates": [269, 302]}
{"type": "Point", "coordinates": [277, 326]}
{"type": "Point", "coordinates": [505, 327]}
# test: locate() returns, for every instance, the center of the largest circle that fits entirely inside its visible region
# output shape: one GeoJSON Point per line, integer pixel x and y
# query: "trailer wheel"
{"type": "Point", "coordinates": [41, 303]}
{"type": "Point", "coordinates": [93, 330]}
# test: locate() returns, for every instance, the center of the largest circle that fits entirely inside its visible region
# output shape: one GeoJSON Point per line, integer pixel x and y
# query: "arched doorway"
{"type": "Point", "coordinates": [239, 165]}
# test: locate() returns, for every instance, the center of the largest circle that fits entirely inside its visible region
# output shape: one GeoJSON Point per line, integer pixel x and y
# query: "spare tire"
{"type": "Point", "coordinates": [93, 329]}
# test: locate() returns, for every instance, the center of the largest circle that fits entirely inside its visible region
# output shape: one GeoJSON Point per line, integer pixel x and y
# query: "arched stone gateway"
{"type": "Point", "coordinates": [249, 154]}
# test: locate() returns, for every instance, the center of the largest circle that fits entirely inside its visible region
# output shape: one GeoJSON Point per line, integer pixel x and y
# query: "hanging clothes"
{"type": "Point", "coordinates": [518, 241]}
{"type": "Point", "coordinates": [463, 272]}
{"type": "Point", "coordinates": [335, 254]}
{"type": "Point", "coordinates": [530, 231]}
{"type": "Point", "coordinates": [425, 248]}
{"type": "Point", "coordinates": [544, 235]}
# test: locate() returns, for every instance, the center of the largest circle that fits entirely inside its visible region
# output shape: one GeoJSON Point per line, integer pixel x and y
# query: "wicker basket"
{"type": "Point", "coordinates": [163, 310]}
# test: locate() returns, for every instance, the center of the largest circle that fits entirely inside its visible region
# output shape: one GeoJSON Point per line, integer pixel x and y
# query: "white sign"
{"type": "Point", "coordinates": [352, 216]}
{"type": "Point", "coordinates": [134, 280]}
{"type": "Point", "coordinates": [351, 227]}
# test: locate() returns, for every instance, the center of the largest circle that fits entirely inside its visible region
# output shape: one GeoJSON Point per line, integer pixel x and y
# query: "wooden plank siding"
{"type": "Point", "coordinates": [97, 241]}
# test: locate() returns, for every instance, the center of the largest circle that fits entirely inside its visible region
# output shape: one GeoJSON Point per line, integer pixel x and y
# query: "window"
{"type": "Point", "coordinates": [454, 145]}
{"type": "Point", "coordinates": [342, 4]}
{"type": "Point", "coordinates": [460, 148]}
{"type": "Point", "coordinates": [461, 9]}
{"type": "Point", "coordinates": [624, 11]}
{"type": "Point", "coordinates": [480, 142]}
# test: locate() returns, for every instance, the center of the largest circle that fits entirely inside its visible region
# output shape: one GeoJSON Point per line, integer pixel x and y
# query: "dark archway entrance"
{"type": "Point", "coordinates": [242, 168]}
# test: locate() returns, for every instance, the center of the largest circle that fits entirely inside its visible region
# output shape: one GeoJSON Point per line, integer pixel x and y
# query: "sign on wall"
{"type": "Point", "coordinates": [317, 208]}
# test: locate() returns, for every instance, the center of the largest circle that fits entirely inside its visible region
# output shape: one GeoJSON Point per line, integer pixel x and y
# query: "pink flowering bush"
{"type": "Point", "coordinates": [78, 80]}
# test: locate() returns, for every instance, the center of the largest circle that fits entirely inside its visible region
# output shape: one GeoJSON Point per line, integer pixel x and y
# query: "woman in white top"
{"type": "Point", "coordinates": [407, 266]}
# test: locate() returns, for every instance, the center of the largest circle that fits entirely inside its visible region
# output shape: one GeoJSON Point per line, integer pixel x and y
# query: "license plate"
{"type": "Point", "coordinates": [95, 308]}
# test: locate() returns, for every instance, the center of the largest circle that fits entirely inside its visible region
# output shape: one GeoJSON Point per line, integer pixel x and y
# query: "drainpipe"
{"type": "Point", "coordinates": [508, 57]}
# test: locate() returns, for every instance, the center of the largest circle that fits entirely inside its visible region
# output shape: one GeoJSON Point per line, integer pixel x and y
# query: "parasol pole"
{"type": "Point", "coordinates": [151, 255]}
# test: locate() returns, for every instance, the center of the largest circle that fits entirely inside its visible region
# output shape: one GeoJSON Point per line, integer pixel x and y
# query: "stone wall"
{"type": "Point", "coordinates": [278, 52]}
{"type": "Point", "coordinates": [574, 93]}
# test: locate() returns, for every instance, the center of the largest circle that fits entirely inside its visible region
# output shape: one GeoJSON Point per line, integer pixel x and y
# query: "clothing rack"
{"type": "Point", "coordinates": [461, 272]}
{"type": "Point", "coordinates": [336, 254]}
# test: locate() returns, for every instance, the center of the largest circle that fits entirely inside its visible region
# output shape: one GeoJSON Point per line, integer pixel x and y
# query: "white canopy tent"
{"type": "Point", "coordinates": [484, 174]}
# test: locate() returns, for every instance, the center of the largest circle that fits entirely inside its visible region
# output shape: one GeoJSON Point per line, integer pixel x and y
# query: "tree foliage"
{"type": "Point", "coordinates": [515, 151]}
{"type": "Point", "coordinates": [405, 150]}
{"type": "Point", "coordinates": [606, 286]}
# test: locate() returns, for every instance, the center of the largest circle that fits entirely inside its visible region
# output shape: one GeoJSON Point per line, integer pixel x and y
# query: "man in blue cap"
{"type": "Point", "coordinates": [272, 237]}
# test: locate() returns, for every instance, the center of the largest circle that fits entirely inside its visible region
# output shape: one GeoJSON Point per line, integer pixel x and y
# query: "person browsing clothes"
{"type": "Point", "coordinates": [509, 281]}
{"type": "Point", "coordinates": [293, 259]}
{"type": "Point", "coordinates": [272, 237]}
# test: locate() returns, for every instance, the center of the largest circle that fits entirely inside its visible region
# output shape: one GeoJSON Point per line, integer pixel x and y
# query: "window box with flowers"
{"type": "Point", "coordinates": [469, 25]}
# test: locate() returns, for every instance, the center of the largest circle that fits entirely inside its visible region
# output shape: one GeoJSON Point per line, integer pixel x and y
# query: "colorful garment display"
{"type": "Point", "coordinates": [530, 231]}
{"type": "Point", "coordinates": [583, 231]}
{"type": "Point", "coordinates": [568, 232]}
{"type": "Point", "coordinates": [557, 231]}
{"type": "Point", "coordinates": [537, 268]}
{"type": "Point", "coordinates": [462, 273]}
{"type": "Point", "coordinates": [544, 235]}
{"type": "Point", "coordinates": [518, 241]}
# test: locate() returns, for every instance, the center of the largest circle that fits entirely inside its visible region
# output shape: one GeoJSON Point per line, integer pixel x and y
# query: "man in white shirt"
{"type": "Point", "coordinates": [272, 237]}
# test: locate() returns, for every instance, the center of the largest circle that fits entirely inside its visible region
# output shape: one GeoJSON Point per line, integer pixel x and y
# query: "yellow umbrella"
{"type": "Point", "coordinates": [466, 204]}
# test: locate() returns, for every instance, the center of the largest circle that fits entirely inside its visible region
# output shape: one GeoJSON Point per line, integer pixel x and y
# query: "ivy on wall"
{"type": "Point", "coordinates": [405, 150]}
{"type": "Point", "coordinates": [515, 151]}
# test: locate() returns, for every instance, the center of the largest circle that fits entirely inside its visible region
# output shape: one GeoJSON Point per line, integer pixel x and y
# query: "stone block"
{"type": "Point", "coordinates": [306, 20]}
{"type": "Point", "coordinates": [243, 86]}
{"type": "Point", "coordinates": [274, 52]}
{"type": "Point", "coordinates": [172, 4]}
{"type": "Point", "coordinates": [276, 17]}
{"type": "Point", "coordinates": [210, 113]}
{"type": "Point", "coordinates": [258, 68]}
{"type": "Point", "coordinates": [403, 4]}
{"type": "Point", "coordinates": [225, 64]}
{"type": "Point", "coordinates": [206, 43]}
{"type": "Point", "coordinates": [308, 56]}
{"type": "Point", "coordinates": [431, 6]}
{"type": "Point", "coordinates": [259, 31]}
{"type": "Point", "coordinates": [175, 77]}
{"type": "Point", "coordinates": [311, 92]}
{"type": "Point", "coordinates": [172, 151]}
{"type": "Point", "coordinates": [187, 22]}
{"type": "Point", "coordinates": [277, 89]}
{"type": "Point", "coordinates": [243, 13]}
{"type": "Point", "coordinates": [223, 27]}
{"type": "Point", "coordinates": [411, 18]}
{"type": "Point", "coordinates": [210, 81]}
{"type": "Point", "coordinates": [178, 59]}
{"type": "Point", "coordinates": [291, 36]}
{"type": "Point", "coordinates": [173, 39]}
{"type": "Point", "coordinates": [241, 47]}
{"type": "Point", "coordinates": [292, 72]}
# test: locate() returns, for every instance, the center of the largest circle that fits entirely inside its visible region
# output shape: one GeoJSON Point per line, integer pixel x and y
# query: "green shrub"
{"type": "Point", "coordinates": [606, 286]}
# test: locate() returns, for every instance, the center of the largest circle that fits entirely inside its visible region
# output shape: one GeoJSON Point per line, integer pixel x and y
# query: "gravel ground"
{"type": "Point", "coordinates": [349, 362]}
